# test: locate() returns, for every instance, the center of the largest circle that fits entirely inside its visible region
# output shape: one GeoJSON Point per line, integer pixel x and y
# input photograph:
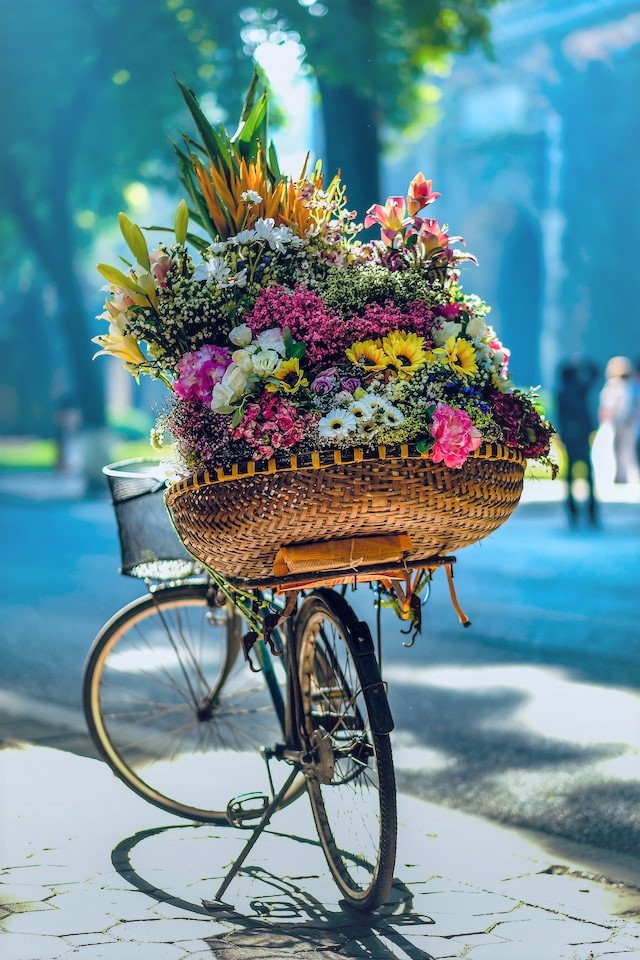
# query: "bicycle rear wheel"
{"type": "Point", "coordinates": [352, 792]}
{"type": "Point", "coordinates": [174, 711]}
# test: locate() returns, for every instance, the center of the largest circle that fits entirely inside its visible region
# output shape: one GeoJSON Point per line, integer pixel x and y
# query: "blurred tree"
{"type": "Point", "coordinates": [88, 100]}
{"type": "Point", "coordinates": [371, 60]}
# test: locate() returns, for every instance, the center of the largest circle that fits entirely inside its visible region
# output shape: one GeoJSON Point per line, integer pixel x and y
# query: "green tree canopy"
{"type": "Point", "coordinates": [89, 99]}
{"type": "Point", "coordinates": [371, 60]}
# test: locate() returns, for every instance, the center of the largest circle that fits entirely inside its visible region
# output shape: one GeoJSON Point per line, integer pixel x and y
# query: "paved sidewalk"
{"type": "Point", "coordinates": [92, 871]}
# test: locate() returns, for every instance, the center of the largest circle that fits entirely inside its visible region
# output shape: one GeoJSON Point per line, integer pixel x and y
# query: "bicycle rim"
{"type": "Point", "coordinates": [355, 807]}
{"type": "Point", "coordinates": [148, 674]}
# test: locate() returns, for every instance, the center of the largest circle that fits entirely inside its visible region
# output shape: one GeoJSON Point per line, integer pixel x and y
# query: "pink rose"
{"type": "Point", "coordinates": [454, 435]}
{"type": "Point", "coordinates": [285, 421]}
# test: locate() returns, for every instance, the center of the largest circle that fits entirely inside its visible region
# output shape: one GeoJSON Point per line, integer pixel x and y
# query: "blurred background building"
{"type": "Point", "coordinates": [535, 155]}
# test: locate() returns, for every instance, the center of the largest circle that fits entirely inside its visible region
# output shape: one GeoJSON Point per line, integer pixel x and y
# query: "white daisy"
{"type": "Point", "coordinates": [245, 236]}
{"type": "Point", "coordinates": [219, 272]}
{"type": "Point", "coordinates": [251, 197]}
{"type": "Point", "coordinates": [265, 229]}
{"type": "Point", "coordinates": [391, 416]}
{"type": "Point", "coordinates": [336, 424]}
{"type": "Point", "coordinates": [362, 409]}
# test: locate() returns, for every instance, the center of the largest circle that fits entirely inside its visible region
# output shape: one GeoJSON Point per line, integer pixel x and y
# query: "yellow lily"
{"type": "Point", "coordinates": [123, 346]}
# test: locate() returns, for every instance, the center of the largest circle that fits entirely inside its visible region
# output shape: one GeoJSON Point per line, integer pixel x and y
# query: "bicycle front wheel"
{"type": "Point", "coordinates": [352, 788]}
{"type": "Point", "coordinates": [174, 711]}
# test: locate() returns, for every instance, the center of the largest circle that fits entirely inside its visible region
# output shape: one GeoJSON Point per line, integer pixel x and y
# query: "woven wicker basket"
{"type": "Point", "coordinates": [235, 521]}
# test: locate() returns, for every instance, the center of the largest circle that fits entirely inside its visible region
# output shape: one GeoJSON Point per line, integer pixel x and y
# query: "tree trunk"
{"type": "Point", "coordinates": [352, 144]}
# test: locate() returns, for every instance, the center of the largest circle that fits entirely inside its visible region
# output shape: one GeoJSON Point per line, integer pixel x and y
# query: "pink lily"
{"type": "Point", "coordinates": [390, 217]}
{"type": "Point", "coordinates": [429, 234]}
{"type": "Point", "coordinates": [420, 194]}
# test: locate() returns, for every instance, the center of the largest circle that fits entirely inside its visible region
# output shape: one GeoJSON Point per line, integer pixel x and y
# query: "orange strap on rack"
{"type": "Point", "coordinates": [462, 617]}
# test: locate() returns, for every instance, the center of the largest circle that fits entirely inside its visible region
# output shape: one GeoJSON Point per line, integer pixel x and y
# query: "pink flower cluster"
{"type": "Point", "coordinates": [199, 371]}
{"type": "Point", "coordinates": [306, 315]}
{"type": "Point", "coordinates": [454, 436]}
{"type": "Point", "coordinates": [377, 320]}
{"type": "Point", "coordinates": [270, 424]}
{"type": "Point", "coordinates": [325, 334]}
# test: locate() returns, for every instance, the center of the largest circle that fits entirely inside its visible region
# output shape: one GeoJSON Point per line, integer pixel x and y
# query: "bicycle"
{"type": "Point", "coordinates": [193, 728]}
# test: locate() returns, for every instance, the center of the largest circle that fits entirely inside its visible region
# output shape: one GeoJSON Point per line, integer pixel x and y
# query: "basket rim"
{"type": "Point", "coordinates": [320, 460]}
{"type": "Point", "coordinates": [125, 468]}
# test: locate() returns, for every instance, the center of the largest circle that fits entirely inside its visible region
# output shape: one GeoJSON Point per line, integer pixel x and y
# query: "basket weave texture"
{"type": "Point", "coordinates": [234, 522]}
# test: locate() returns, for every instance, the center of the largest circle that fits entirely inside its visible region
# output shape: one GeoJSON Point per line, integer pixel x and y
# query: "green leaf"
{"type": "Point", "coordinates": [294, 350]}
{"type": "Point", "coordinates": [135, 240]}
{"type": "Point", "coordinates": [218, 147]}
{"type": "Point", "coordinates": [422, 446]}
{"type": "Point", "coordinates": [254, 129]}
{"type": "Point", "coordinates": [273, 166]}
{"type": "Point", "coordinates": [181, 222]}
{"type": "Point", "coordinates": [237, 417]}
{"type": "Point", "coordinates": [113, 275]}
{"type": "Point", "coordinates": [247, 106]}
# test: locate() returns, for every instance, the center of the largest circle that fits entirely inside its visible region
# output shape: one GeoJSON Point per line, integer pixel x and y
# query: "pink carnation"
{"type": "Point", "coordinates": [454, 434]}
{"type": "Point", "coordinates": [199, 371]}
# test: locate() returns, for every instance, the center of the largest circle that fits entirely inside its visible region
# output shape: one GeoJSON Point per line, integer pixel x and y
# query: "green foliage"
{"type": "Point", "coordinates": [351, 291]}
{"type": "Point", "coordinates": [382, 49]}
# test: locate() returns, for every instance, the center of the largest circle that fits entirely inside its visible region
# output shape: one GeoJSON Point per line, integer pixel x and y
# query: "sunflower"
{"type": "Point", "coordinates": [459, 355]}
{"type": "Point", "coordinates": [368, 355]}
{"type": "Point", "coordinates": [289, 377]}
{"type": "Point", "coordinates": [405, 351]}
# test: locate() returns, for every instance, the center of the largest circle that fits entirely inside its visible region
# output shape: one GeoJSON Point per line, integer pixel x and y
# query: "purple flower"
{"type": "Point", "coordinates": [350, 383]}
{"type": "Point", "coordinates": [325, 381]}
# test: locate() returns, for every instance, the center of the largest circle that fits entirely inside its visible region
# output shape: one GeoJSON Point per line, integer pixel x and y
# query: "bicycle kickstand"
{"type": "Point", "coordinates": [217, 903]}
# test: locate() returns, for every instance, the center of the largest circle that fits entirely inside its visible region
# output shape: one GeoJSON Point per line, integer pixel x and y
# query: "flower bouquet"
{"type": "Point", "coordinates": [323, 388]}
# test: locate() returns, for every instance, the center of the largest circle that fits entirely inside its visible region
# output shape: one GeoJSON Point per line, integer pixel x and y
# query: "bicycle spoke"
{"type": "Point", "coordinates": [170, 714]}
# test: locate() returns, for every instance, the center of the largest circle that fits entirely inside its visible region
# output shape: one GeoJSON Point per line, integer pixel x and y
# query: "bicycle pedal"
{"type": "Point", "coordinates": [246, 807]}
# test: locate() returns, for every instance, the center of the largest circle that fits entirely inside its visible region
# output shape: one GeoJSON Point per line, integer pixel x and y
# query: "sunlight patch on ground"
{"type": "Point", "coordinates": [548, 702]}
{"type": "Point", "coordinates": [409, 754]}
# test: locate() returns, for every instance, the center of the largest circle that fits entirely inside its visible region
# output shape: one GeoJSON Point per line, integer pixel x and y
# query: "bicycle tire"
{"type": "Point", "coordinates": [355, 807]}
{"type": "Point", "coordinates": [145, 680]}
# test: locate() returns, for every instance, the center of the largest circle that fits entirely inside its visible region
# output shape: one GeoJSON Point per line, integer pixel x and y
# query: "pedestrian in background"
{"type": "Point", "coordinates": [576, 422]}
{"type": "Point", "coordinates": [619, 415]}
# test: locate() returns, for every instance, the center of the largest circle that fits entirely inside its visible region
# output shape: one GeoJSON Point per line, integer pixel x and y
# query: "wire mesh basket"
{"type": "Point", "coordinates": [149, 546]}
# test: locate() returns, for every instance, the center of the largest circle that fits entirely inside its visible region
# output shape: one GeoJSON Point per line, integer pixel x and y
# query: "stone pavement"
{"type": "Point", "coordinates": [89, 870]}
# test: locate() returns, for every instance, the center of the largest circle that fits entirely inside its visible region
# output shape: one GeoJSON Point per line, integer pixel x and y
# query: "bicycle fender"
{"type": "Point", "coordinates": [373, 688]}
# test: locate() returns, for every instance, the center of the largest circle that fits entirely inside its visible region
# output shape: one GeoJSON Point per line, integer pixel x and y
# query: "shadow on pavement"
{"type": "Point", "coordinates": [281, 913]}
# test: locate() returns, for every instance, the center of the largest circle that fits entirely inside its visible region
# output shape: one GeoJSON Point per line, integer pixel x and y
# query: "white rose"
{"type": "Point", "coordinates": [221, 398]}
{"type": "Point", "coordinates": [230, 389]}
{"type": "Point", "coordinates": [241, 335]}
{"type": "Point", "coordinates": [265, 362]}
{"type": "Point", "coordinates": [244, 359]}
{"type": "Point", "coordinates": [271, 340]}
{"type": "Point", "coordinates": [448, 329]}
{"type": "Point", "coordinates": [476, 328]}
